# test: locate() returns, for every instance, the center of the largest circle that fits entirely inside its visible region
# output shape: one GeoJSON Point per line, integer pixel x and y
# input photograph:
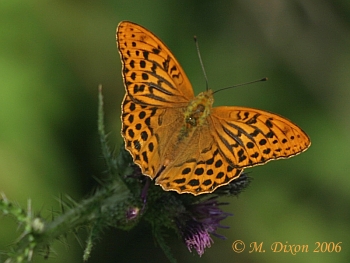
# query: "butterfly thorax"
{"type": "Point", "coordinates": [196, 113]}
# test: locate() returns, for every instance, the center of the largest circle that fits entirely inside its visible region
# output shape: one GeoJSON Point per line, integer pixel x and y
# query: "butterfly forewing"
{"type": "Point", "coordinates": [248, 137]}
{"type": "Point", "coordinates": [152, 76]}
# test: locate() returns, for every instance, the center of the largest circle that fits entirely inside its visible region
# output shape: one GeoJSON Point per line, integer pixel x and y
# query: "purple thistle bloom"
{"type": "Point", "coordinates": [196, 236]}
{"type": "Point", "coordinates": [199, 221]}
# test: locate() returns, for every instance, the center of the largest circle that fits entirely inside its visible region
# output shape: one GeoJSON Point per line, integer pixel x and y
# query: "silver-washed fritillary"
{"type": "Point", "coordinates": [180, 140]}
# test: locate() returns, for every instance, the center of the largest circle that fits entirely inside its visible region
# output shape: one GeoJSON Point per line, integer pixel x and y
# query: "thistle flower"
{"type": "Point", "coordinates": [199, 222]}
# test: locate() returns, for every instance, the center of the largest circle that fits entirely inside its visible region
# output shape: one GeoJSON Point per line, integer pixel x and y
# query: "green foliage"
{"type": "Point", "coordinates": [105, 208]}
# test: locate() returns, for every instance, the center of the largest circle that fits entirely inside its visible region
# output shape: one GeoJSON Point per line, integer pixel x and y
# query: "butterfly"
{"type": "Point", "coordinates": [180, 140]}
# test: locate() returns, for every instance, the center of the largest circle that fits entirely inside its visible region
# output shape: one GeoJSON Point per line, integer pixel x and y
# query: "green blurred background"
{"type": "Point", "coordinates": [53, 55]}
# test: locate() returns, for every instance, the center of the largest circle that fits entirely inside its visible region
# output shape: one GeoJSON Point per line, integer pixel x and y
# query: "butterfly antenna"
{"type": "Point", "coordinates": [242, 84]}
{"type": "Point", "coordinates": [202, 65]}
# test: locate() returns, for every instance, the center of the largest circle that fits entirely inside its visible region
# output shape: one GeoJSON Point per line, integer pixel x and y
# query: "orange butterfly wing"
{"type": "Point", "coordinates": [152, 75]}
{"type": "Point", "coordinates": [249, 137]}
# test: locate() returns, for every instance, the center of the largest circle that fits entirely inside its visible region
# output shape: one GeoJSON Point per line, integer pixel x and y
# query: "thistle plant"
{"type": "Point", "coordinates": [124, 198]}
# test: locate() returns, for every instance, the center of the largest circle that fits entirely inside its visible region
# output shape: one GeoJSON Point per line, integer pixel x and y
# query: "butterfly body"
{"type": "Point", "coordinates": [180, 140]}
